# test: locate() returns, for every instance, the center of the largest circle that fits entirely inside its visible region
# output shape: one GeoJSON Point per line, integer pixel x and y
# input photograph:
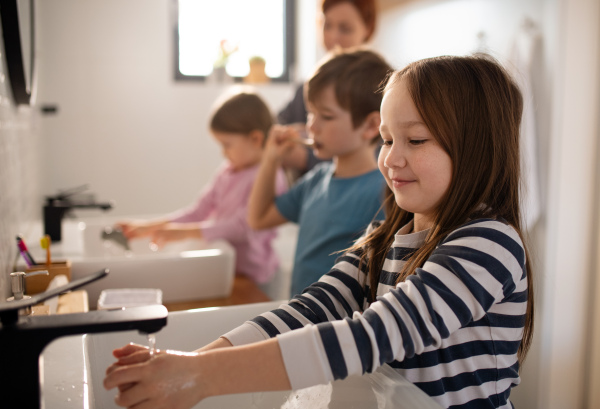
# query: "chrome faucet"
{"type": "Point", "coordinates": [57, 206]}
{"type": "Point", "coordinates": [23, 338]}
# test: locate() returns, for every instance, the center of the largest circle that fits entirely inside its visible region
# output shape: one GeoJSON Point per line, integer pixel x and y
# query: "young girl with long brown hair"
{"type": "Point", "coordinates": [441, 290]}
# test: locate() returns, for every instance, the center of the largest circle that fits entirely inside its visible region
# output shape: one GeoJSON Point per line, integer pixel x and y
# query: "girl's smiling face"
{"type": "Point", "coordinates": [415, 166]}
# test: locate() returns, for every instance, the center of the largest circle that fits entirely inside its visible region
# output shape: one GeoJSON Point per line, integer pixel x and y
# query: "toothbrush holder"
{"type": "Point", "coordinates": [39, 283]}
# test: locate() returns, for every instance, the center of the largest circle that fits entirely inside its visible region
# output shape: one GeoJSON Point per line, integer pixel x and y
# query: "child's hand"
{"type": "Point", "coordinates": [169, 379]}
{"type": "Point", "coordinates": [283, 141]}
{"type": "Point", "coordinates": [128, 355]}
{"type": "Point", "coordinates": [175, 232]}
{"type": "Point", "coordinates": [139, 228]}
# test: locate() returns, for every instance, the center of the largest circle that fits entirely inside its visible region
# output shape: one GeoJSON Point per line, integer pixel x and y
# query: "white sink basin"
{"type": "Point", "coordinates": [202, 275]}
{"type": "Point", "coordinates": [182, 275]}
{"type": "Point", "coordinates": [74, 369]}
{"type": "Point", "coordinates": [184, 271]}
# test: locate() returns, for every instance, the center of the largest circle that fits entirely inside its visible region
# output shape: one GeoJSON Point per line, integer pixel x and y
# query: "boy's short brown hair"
{"type": "Point", "coordinates": [242, 113]}
{"type": "Point", "coordinates": [357, 77]}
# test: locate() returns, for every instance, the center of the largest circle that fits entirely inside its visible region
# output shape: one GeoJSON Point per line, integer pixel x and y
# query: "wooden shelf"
{"type": "Point", "coordinates": [245, 291]}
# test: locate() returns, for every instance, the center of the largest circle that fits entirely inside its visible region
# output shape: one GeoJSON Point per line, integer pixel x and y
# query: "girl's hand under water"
{"type": "Point", "coordinates": [179, 380]}
{"type": "Point", "coordinates": [171, 379]}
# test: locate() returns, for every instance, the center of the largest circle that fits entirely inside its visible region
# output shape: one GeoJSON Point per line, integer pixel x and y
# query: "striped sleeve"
{"type": "Point", "coordinates": [476, 267]}
{"type": "Point", "coordinates": [335, 296]}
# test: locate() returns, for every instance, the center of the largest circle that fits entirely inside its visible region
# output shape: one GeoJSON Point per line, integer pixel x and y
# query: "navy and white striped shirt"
{"type": "Point", "coordinates": [453, 328]}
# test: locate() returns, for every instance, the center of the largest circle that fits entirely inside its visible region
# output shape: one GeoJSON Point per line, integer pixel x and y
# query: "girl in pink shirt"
{"type": "Point", "coordinates": [240, 125]}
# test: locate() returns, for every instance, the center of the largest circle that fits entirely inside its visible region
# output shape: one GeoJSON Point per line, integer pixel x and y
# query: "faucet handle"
{"type": "Point", "coordinates": [65, 194]}
{"type": "Point", "coordinates": [37, 273]}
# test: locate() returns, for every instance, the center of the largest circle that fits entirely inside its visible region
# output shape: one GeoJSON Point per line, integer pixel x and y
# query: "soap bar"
{"type": "Point", "coordinates": [40, 309]}
{"type": "Point", "coordinates": [75, 301]}
{"type": "Point", "coordinates": [57, 281]}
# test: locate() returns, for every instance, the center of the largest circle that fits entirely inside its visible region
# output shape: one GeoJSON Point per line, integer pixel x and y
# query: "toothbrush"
{"type": "Point", "coordinates": [45, 243]}
{"type": "Point", "coordinates": [25, 252]}
{"type": "Point", "coordinates": [305, 141]}
{"type": "Point", "coordinates": [26, 258]}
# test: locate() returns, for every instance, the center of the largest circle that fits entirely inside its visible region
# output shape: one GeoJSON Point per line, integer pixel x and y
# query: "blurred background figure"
{"type": "Point", "coordinates": [240, 125]}
{"type": "Point", "coordinates": [345, 24]}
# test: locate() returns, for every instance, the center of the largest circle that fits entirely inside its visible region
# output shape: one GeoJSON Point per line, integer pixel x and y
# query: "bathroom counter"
{"type": "Point", "coordinates": [245, 291]}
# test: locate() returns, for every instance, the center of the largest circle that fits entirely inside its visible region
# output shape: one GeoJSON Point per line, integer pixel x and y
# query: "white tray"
{"type": "Point", "coordinates": [128, 297]}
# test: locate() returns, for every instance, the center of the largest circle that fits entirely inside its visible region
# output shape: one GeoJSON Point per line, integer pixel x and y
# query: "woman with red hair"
{"type": "Point", "coordinates": [346, 24]}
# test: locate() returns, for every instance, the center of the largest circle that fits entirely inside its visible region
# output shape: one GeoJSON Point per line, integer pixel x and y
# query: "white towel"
{"type": "Point", "coordinates": [521, 55]}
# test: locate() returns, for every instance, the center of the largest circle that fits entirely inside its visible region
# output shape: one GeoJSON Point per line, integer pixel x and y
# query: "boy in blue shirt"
{"type": "Point", "coordinates": [334, 202]}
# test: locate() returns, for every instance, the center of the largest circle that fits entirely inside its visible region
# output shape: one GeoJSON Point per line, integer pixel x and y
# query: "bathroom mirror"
{"type": "Point", "coordinates": [17, 17]}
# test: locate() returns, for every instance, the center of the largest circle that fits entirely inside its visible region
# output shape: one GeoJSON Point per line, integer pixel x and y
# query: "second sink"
{"type": "Point", "coordinates": [184, 271]}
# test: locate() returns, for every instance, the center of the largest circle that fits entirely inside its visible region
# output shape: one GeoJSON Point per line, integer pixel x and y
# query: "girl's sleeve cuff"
{"type": "Point", "coordinates": [246, 333]}
{"type": "Point", "coordinates": [304, 357]}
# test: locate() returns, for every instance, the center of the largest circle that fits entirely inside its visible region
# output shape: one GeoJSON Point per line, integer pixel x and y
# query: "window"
{"type": "Point", "coordinates": [212, 35]}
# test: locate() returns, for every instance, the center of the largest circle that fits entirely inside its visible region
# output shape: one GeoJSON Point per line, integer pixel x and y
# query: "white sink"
{"type": "Point", "coordinates": [184, 271]}
{"type": "Point", "coordinates": [210, 273]}
{"type": "Point", "coordinates": [74, 369]}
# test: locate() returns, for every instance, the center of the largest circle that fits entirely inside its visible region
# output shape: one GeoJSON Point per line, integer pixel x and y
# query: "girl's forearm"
{"type": "Point", "coordinates": [218, 343]}
{"type": "Point", "coordinates": [249, 368]}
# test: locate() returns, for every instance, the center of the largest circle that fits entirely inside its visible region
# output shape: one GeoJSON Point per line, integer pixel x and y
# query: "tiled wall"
{"type": "Point", "coordinates": [19, 175]}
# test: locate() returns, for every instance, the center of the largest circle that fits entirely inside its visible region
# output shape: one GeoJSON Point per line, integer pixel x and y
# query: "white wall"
{"type": "Point", "coordinates": [19, 174]}
{"type": "Point", "coordinates": [593, 397]}
{"type": "Point", "coordinates": [567, 320]}
{"type": "Point", "coordinates": [124, 125]}
{"type": "Point", "coordinates": [19, 178]}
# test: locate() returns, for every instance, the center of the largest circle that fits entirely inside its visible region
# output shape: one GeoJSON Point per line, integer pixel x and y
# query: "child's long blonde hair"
{"type": "Point", "coordinates": [473, 108]}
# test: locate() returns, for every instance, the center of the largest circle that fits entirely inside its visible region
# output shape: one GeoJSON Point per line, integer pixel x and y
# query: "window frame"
{"type": "Point", "coordinates": [289, 54]}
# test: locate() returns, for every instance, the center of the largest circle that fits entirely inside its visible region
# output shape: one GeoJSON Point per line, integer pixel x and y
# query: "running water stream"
{"type": "Point", "coordinates": [152, 344]}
